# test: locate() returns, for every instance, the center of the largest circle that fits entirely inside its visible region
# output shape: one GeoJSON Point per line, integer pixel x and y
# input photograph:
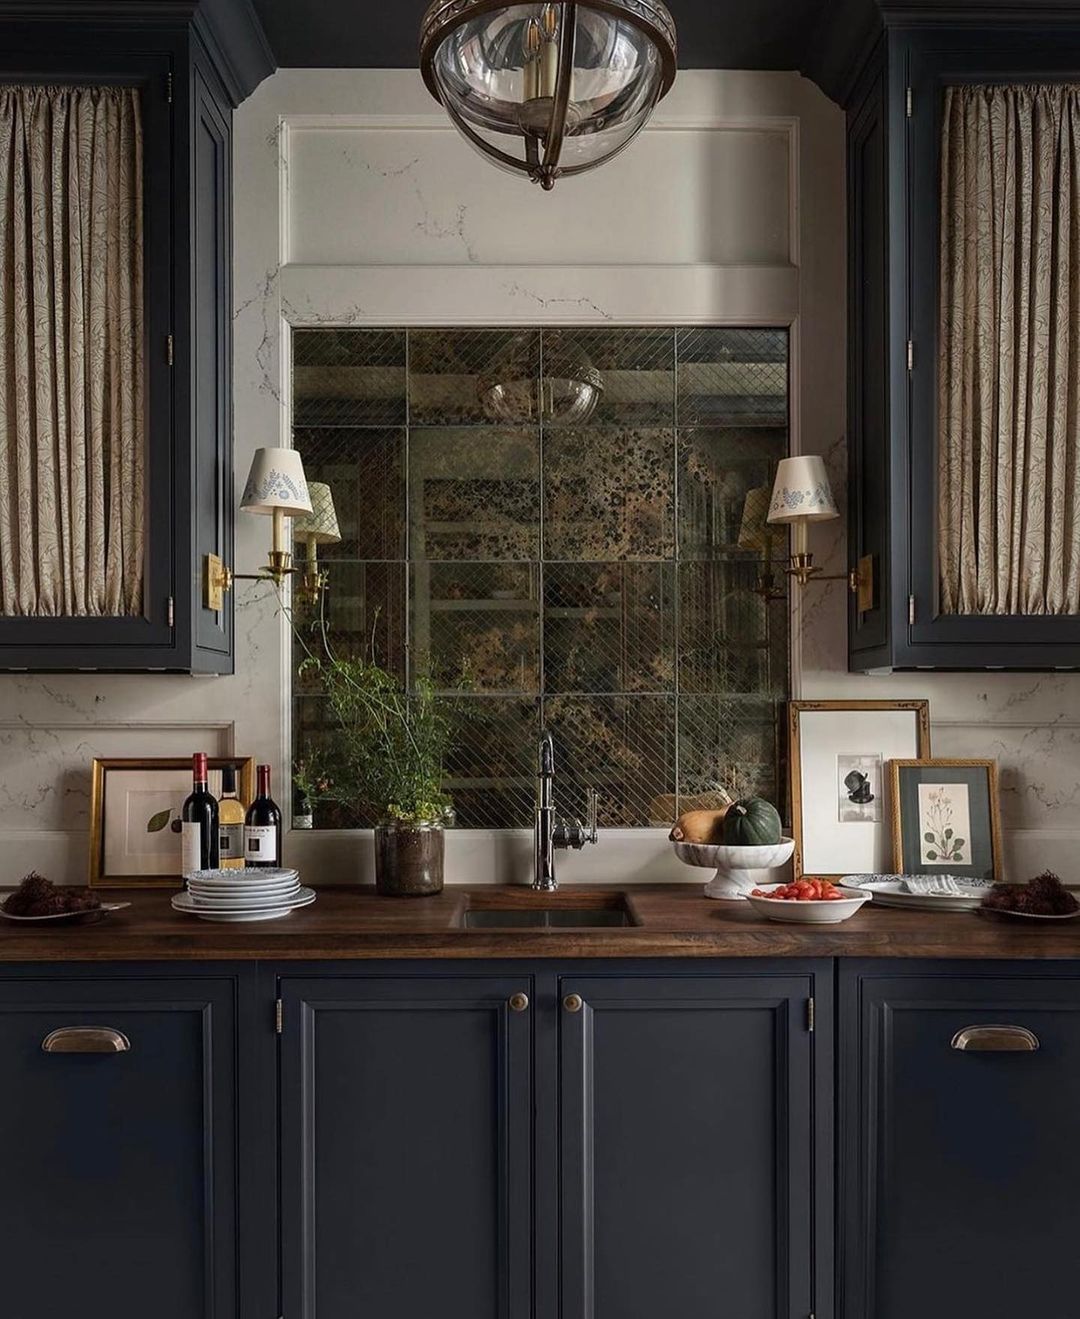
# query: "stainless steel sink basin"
{"type": "Point", "coordinates": [525, 910]}
{"type": "Point", "coordinates": [542, 918]}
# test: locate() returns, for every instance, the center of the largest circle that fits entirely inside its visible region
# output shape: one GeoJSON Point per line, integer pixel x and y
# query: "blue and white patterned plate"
{"type": "Point", "coordinates": [892, 891]}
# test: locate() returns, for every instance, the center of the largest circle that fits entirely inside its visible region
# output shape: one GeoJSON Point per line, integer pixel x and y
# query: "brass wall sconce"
{"type": "Point", "coordinates": [319, 527]}
{"type": "Point", "coordinates": [801, 495]}
{"type": "Point", "coordinates": [277, 487]}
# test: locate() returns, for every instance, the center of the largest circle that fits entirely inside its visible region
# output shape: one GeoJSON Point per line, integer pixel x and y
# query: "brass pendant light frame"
{"type": "Point", "coordinates": [444, 16]}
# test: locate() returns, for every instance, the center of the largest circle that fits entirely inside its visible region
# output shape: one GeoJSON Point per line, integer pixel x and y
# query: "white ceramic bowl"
{"type": "Point", "coordinates": [735, 867]}
{"type": "Point", "coordinates": [812, 911]}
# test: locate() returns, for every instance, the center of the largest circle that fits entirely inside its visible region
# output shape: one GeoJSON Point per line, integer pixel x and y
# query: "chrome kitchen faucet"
{"type": "Point", "coordinates": [550, 832]}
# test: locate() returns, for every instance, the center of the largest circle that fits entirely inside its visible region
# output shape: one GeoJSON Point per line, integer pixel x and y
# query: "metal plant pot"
{"type": "Point", "coordinates": [409, 859]}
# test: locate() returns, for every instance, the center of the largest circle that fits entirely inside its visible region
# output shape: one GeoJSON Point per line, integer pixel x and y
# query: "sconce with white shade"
{"type": "Point", "coordinates": [801, 495]}
{"type": "Point", "coordinates": [276, 487]}
{"type": "Point", "coordinates": [319, 527]}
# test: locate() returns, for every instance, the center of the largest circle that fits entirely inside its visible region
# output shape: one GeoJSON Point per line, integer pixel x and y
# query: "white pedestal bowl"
{"type": "Point", "coordinates": [735, 867]}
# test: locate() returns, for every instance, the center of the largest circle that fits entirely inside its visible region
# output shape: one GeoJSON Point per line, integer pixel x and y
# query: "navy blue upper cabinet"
{"type": "Point", "coordinates": [687, 1128]}
{"type": "Point", "coordinates": [959, 1179]}
{"type": "Point", "coordinates": [189, 65]}
{"type": "Point", "coordinates": [894, 132]}
{"type": "Point", "coordinates": [118, 1192]}
{"type": "Point", "coordinates": [406, 1130]}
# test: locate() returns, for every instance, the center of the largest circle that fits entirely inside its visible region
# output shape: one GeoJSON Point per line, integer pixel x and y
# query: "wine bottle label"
{"type": "Point", "coordinates": [231, 841]}
{"type": "Point", "coordinates": [260, 842]}
{"type": "Point", "coordinates": [190, 846]}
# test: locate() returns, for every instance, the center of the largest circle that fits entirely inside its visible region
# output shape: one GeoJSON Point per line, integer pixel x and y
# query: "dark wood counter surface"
{"type": "Point", "coordinates": [672, 921]}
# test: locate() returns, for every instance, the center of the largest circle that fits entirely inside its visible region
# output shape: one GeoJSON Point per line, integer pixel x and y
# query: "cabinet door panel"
{"type": "Point", "coordinates": [961, 1173]}
{"type": "Point", "coordinates": [144, 639]}
{"type": "Point", "coordinates": [118, 1190]}
{"type": "Point", "coordinates": [686, 1148]}
{"type": "Point", "coordinates": [406, 1130]}
{"type": "Point", "coordinates": [931, 60]}
{"type": "Point", "coordinates": [211, 474]}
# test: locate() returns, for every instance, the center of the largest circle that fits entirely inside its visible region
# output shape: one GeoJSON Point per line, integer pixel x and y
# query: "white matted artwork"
{"type": "Point", "coordinates": [135, 816]}
{"type": "Point", "coordinates": [839, 788]}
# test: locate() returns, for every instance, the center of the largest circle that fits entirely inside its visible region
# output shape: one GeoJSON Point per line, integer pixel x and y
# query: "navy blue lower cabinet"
{"type": "Point", "coordinates": [118, 1173]}
{"type": "Point", "coordinates": [406, 1129]}
{"type": "Point", "coordinates": [961, 1170]}
{"type": "Point", "coordinates": [687, 1145]}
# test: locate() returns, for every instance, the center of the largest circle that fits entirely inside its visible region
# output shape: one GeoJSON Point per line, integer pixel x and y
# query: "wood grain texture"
{"type": "Point", "coordinates": [672, 920]}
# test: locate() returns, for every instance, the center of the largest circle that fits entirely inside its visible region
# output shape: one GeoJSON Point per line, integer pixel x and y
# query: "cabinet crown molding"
{"type": "Point", "coordinates": [229, 29]}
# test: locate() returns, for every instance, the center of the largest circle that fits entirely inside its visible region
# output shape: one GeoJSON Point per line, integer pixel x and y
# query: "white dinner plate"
{"type": "Point", "coordinates": [242, 885]}
{"type": "Point", "coordinates": [227, 890]}
{"type": "Point", "coordinates": [244, 902]}
{"type": "Point", "coordinates": [181, 902]}
{"type": "Point", "coordinates": [266, 873]}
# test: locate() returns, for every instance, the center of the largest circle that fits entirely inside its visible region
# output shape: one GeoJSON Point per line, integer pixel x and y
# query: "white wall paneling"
{"type": "Point", "coordinates": [359, 205]}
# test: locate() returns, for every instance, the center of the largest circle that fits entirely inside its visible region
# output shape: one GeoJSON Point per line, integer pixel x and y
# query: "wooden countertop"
{"type": "Point", "coordinates": [674, 920]}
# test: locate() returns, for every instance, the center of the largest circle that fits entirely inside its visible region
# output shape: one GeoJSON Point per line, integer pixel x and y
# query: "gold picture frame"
{"type": "Point", "coordinates": [114, 860]}
{"type": "Point", "coordinates": [871, 843]}
{"type": "Point", "coordinates": [978, 861]}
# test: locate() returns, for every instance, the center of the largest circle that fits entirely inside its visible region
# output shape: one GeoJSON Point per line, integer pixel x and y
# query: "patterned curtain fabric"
{"type": "Point", "coordinates": [1009, 456]}
{"type": "Point", "coordinates": [71, 352]}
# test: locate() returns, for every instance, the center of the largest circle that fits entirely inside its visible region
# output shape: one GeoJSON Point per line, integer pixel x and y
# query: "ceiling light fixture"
{"type": "Point", "coordinates": [548, 90]}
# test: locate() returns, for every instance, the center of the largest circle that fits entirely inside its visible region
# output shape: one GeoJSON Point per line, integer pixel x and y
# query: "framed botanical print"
{"type": "Point", "coordinates": [838, 755]}
{"type": "Point", "coordinates": [946, 818]}
{"type": "Point", "coordinates": [135, 817]}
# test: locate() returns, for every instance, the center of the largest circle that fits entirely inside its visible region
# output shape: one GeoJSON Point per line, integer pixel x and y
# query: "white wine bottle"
{"type": "Point", "coordinates": [230, 822]}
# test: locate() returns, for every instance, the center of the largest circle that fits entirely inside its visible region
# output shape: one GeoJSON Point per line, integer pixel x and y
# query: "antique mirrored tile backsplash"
{"type": "Point", "coordinates": [562, 529]}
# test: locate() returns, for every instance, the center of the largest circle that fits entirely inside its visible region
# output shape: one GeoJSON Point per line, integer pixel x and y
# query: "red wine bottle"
{"type": "Point", "coordinates": [199, 822]}
{"type": "Point", "coordinates": [262, 825]}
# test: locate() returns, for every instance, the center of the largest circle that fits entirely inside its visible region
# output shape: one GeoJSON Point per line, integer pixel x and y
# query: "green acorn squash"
{"type": "Point", "coordinates": [752, 823]}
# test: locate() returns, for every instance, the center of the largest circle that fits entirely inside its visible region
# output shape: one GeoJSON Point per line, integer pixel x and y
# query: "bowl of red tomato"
{"type": "Point", "coordinates": [807, 901]}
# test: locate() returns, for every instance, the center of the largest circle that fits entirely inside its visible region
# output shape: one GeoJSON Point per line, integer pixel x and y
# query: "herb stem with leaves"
{"type": "Point", "coordinates": [384, 756]}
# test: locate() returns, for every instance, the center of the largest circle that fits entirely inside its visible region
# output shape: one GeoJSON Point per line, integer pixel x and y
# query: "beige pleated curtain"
{"type": "Point", "coordinates": [71, 352]}
{"type": "Point", "coordinates": [1009, 379]}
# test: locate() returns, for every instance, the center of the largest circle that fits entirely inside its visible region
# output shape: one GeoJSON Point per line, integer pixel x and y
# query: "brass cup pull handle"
{"type": "Point", "coordinates": [995, 1039]}
{"type": "Point", "coordinates": [573, 1002]}
{"type": "Point", "coordinates": [86, 1039]}
{"type": "Point", "coordinates": [519, 1002]}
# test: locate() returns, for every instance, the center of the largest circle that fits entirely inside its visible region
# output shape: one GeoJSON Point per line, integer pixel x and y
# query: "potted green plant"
{"type": "Point", "coordinates": [383, 760]}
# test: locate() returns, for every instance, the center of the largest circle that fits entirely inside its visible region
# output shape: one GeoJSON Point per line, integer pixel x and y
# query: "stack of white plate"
{"type": "Point", "coordinates": [251, 894]}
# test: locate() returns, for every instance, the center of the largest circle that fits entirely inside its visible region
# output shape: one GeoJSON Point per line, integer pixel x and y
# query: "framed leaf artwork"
{"type": "Point", "coordinates": [946, 818]}
{"type": "Point", "coordinates": [135, 817]}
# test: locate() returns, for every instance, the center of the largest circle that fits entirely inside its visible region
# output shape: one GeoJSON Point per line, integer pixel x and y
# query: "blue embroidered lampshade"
{"type": "Point", "coordinates": [276, 481]}
{"type": "Point", "coordinates": [801, 492]}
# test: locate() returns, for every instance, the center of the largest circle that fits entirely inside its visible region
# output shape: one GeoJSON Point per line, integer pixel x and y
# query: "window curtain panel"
{"type": "Point", "coordinates": [72, 427]}
{"type": "Point", "coordinates": [1009, 379]}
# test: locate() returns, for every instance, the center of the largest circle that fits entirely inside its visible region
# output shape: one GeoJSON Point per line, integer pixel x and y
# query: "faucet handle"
{"type": "Point", "coordinates": [592, 817]}
{"type": "Point", "coordinates": [572, 833]}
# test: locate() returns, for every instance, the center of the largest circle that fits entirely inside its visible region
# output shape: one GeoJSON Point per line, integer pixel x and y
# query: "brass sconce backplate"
{"type": "Point", "coordinates": [217, 579]}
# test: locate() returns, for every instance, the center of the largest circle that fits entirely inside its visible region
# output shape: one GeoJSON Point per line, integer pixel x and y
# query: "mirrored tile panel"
{"type": "Point", "coordinates": [563, 528]}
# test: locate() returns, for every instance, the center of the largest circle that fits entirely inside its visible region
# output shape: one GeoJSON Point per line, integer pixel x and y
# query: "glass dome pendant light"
{"type": "Point", "coordinates": [548, 90]}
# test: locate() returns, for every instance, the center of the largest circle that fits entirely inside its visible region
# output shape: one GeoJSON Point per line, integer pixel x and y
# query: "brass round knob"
{"type": "Point", "coordinates": [519, 1002]}
{"type": "Point", "coordinates": [573, 1002]}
